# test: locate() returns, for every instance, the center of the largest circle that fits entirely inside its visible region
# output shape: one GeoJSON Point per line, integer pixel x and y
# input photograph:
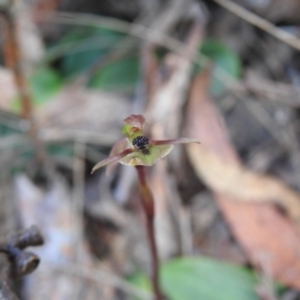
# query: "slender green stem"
{"type": "Point", "coordinates": [148, 206]}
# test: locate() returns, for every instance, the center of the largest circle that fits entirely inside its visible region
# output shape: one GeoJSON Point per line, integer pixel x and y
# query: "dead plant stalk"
{"type": "Point", "coordinates": [13, 59]}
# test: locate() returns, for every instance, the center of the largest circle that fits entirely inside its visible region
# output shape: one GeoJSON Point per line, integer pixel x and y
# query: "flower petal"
{"type": "Point", "coordinates": [112, 159]}
{"type": "Point", "coordinates": [147, 157]}
{"type": "Point", "coordinates": [134, 126]}
{"type": "Point", "coordinates": [174, 141]}
{"type": "Point", "coordinates": [135, 121]}
{"type": "Point", "coordinates": [118, 147]}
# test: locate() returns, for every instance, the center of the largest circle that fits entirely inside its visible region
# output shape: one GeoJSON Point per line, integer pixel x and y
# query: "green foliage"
{"type": "Point", "coordinates": [6, 130]}
{"type": "Point", "coordinates": [140, 281]}
{"type": "Point", "coordinates": [204, 278]}
{"type": "Point", "coordinates": [88, 45]}
{"type": "Point", "coordinates": [61, 150]}
{"type": "Point", "coordinates": [121, 74]}
{"type": "Point", "coordinates": [82, 49]}
{"type": "Point", "coordinates": [224, 59]}
{"type": "Point", "coordinates": [44, 84]}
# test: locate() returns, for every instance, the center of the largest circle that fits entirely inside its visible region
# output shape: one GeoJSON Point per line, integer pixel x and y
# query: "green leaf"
{"type": "Point", "coordinates": [80, 41]}
{"type": "Point", "coordinates": [204, 278]}
{"type": "Point", "coordinates": [44, 84]}
{"type": "Point", "coordinates": [225, 59]}
{"type": "Point", "coordinates": [6, 129]}
{"type": "Point", "coordinates": [61, 150]}
{"type": "Point", "coordinates": [201, 278]}
{"type": "Point", "coordinates": [140, 281]}
{"type": "Point", "coordinates": [121, 74]}
{"type": "Point", "coordinates": [89, 45]}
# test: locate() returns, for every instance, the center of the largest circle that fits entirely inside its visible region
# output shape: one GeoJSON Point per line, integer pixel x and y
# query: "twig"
{"type": "Point", "coordinates": [154, 36]}
{"type": "Point", "coordinates": [274, 91]}
{"type": "Point", "coordinates": [78, 193]}
{"type": "Point", "coordinates": [261, 23]}
{"type": "Point", "coordinates": [165, 19]}
{"type": "Point", "coordinates": [86, 44]}
{"type": "Point", "coordinates": [291, 137]}
{"type": "Point", "coordinates": [286, 137]}
{"type": "Point", "coordinates": [22, 262]}
{"type": "Point", "coordinates": [166, 98]}
{"type": "Point", "coordinates": [78, 205]}
{"type": "Point", "coordinates": [13, 58]}
{"type": "Point", "coordinates": [137, 30]}
{"type": "Point", "coordinates": [148, 19]}
{"type": "Point", "coordinates": [145, 33]}
{"type": "Point", "coordinates": [260, 113]}
{"type": "Point", "coordinates": [181, 219]}
{"type": "Point", "coordinates": [85, 136]}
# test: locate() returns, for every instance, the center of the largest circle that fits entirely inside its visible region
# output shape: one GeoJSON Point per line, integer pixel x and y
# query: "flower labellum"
{"type": "Point", "coordinates": [141, 142]}
{"type": "Point", "coordinates": [136, 149]}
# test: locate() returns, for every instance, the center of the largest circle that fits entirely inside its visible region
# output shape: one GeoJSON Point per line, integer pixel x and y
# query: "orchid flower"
{"type": "Point", "coordinates": [139, 151]}
{"type": "Point", "coordinates": [136, 149]}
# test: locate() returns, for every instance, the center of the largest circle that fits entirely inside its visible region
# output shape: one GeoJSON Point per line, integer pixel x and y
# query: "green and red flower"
{"type": "Point", "coordinates": [136, 149]}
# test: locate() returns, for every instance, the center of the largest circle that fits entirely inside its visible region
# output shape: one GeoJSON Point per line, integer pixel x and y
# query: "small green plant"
{"type": "Point", "coordinates": [201, 277]}
{"type": "Point", "coordinates": [139, 151]}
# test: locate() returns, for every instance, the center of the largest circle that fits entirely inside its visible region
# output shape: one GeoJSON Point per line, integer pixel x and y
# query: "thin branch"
{"type": "Point", "coordinates": [77, 206]}
{"type": "Point", "coordinates": [138, 30]}
{"type": "Point", "coordinates": [14, 60]}
{"type": "Point", "coordinates": [261, 23]}
{"type": "Point", "coordinates": [145, 33]}
{"type": "Point", "coordinates": [155, 36]}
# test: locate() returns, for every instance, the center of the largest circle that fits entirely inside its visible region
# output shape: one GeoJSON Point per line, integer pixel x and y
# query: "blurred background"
{"type": "Point", "coordinates": [227, 211]}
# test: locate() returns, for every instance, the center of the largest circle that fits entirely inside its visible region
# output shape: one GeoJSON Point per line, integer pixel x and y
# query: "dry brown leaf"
{"type": "Point", "coordinates": [166, 99]}
{"type": "Point", "coordinates": [237, 182]}
{"type": "Point", "coordinates": [166, 102]}
{"type": "Point", "coordinates": [255, 225]}
{"type": "Point", "coordinates": [269, 240]}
